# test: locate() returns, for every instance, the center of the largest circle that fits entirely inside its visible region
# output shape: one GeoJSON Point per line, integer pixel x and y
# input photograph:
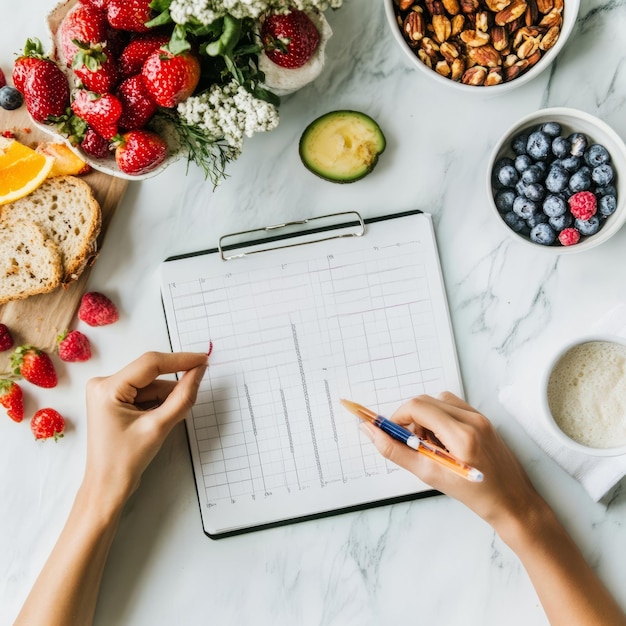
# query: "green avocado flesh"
{"type": "Point", "coordinates": [342, 146]}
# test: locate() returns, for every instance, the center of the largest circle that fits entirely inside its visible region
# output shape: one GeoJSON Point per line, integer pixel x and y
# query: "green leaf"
{"type": "Point", "coordinates": [162, 18]}
{"type": "Point", "coordinates": [160, 5]}
{"type": "Point", "coordinates": [178, 41]}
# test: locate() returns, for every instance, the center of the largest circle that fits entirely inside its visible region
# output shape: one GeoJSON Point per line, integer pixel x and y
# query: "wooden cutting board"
{"type": "Point", "coordinates": [39, 319]}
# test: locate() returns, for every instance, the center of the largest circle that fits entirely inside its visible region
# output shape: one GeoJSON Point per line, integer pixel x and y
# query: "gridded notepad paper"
{"type": "Point", "coordinates": [294, 330]}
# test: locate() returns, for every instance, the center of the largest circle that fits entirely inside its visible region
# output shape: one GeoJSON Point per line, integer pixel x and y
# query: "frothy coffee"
{"type": "Point", "coordinates": [587, 394]}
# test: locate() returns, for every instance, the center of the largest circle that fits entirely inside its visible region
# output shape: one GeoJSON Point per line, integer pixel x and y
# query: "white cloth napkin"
{"type": "Point", "coordinates": [522, 399]}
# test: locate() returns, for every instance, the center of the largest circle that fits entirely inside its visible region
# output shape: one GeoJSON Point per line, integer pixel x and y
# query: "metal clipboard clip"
{"type": "Point", "coordinates": [306, 230]}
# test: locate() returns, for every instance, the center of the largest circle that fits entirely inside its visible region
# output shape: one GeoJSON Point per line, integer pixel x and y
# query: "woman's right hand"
{"type": "Point", "coordinates": [505, 494]}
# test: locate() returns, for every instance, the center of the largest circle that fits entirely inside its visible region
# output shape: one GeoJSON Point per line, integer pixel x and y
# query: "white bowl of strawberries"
{"type": "Point", "coordinates": [119, 72]}
{"type": "Point", "coordinates": [90, 90]}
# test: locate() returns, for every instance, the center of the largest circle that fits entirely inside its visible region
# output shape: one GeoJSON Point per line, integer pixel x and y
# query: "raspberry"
{"type": "Point", "coordinates": [569, 236]}
{"type": "Point", "coordinates": [97, 310]}
{"type": "Point", "coordinates": [583, 205]}
{"type": "Point", "coordinates": [6, 340]}
{"type": "Point", "coordinates": [73, 346]}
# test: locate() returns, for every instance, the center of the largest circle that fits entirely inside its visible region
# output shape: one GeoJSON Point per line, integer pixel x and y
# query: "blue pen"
{"type": "Point", "coordinates": [413, 441]}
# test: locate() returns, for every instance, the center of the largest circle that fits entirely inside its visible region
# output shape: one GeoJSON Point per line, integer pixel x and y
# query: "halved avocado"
{"type": "Point", "coordinates": [341, 146]}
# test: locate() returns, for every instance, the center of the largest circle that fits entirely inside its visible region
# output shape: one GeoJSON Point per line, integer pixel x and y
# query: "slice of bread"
{"type": "Point", "coordinates": [65, 208]}
{"type": "Point", "coordinates": [30, 263]}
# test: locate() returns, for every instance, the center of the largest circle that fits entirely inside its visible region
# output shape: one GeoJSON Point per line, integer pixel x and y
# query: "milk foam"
{"type": "Point", "coordinates": [587, 394]}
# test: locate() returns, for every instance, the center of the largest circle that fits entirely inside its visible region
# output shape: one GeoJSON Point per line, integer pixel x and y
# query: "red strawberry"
{"type": "Point", "coordinates": [289, 40]}
{"type": "Point", "coordinates": [12, 399]}
{"type": "Point", "coordinates": [101, 112]}
{"type": "Point", "coordinates": [3, 80]}
{"type": "Point", "coordinates": [97, 4]}
{"type": "Point", "coordinates": [46, 90]}
{"type": "Point", "coordinates": [132, 58]}
{"type": "Point", "coordinates": [129, 15]}
{"type": "Point", "coordinates": [85, 24]}
{"type": "Point", "coordinates": [47, 423]}
{"type": "Point", "coordinates": [73, 346]}
{"type": "Point", "coordinates": [34, 365]}
{"type": "Point", "coordinates": [140, 151]}
{"type": "Point", "coordinates": [137, 106]}
{"type": "Point", "coordinates": [97, 310]}
{"type": "Point", "coordinates": [6, 339]}
{"type": "Point", "coordinates": [95, 67]}
{"type": "Point", "coordinates": [170, 78]}
{"type": "Point", "coordinates": [33, 52]}
{"type": "Point", "coordinates": [95, 145]}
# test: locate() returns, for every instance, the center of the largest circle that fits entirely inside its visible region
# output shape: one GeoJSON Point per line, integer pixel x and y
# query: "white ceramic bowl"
{"type": "Point", "coordinates": [107, 165]}
{"type": "Point", "coordinates": [570, 13]}
{"type": "Point", "coordinates": [597, 131]}
{"type": "Point", "coordinates": [551, 423]}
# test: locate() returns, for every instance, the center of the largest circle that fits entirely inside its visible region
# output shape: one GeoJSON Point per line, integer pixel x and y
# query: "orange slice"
{"type": "Point", "coordinates": [66, 161]}
{"type": "Point", "coordinates": [22, 170]}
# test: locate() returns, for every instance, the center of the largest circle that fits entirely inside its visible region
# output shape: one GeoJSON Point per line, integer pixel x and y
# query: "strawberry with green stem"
{"type": "Point", "coordinates": [101, 111]}
{"type": "Point", "coordinates": [84, 24]}
{"type": "Point", "coordinates": [12, 399]}
{"type": "Point", "coordinates": [44, 86]}
{"type": "Point", "coordinates": [140, 152]}
{"type": "Point", "coordinates": [290, 39]}
{"type": "Point", "coordinates": [47, 424]}
{"type": "Point", "coordinates": [95, 67]}
{"type": "Point", "coordinates": [170, 78]}
{"type": "Point", "coordinates": [34, 365]}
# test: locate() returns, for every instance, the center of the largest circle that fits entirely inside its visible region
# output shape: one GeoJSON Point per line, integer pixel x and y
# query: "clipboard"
{"type": "Point", "coordinates": [301, 314]}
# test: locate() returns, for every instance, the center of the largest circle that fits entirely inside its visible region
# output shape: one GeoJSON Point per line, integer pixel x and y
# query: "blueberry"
{"type": "Point", "coordinates": [571, 163]}
{"type": "Point", "coordinates": [543, 234]}
{"type": "Point", "coordinates": [603, 174]}
{"type": "Point", "coordinates": [557, 179]}
{"type": "Point", "coordinates": [535, 192]}
{"type": "Point", "coordinates": [524, 207]}
{"type": "Point", "coordinates": [553, 206]}
{"type": "Point", "coordinates": [518, 144]}
{"type": "Point", "coordinates": [559, 222]}
{"type": "Point", "coordinates": [504, 200]}
{"type": "Point", "coordinates": [538, 146]}
{"type": "Point", "coordinates": [520, 188]}
{"type": "Point", "coordinates": [523, 162]}
{"type": "Point", "coordinates": [514, 222]}
{"type": "Point", "coordinates": [596, 155]}
{"type": "Point", "coordinates": [607, 205]}
{"type": "Point", "coordinates": [543, 167]}
{"type": "Point", "coordinates": [580, 180]}
{"type": "Point", "coordinates": [10, 98]}
{"type": "Point", "coordinates": [579, 144]}
{"type": "Point", "coordinates": [533, 174]}
{"type": "Point", "coordinates": [501, 162]}
{"type": "Point", "coordinates": [552, 129]}
{"type": "Point", "coordinates": [507, 175]}
{"type": "Point", "coordinates": [588, 227]}
{"type": "Point", "coordinates": [537, 218]}
{"type": "Point", "coordinates": [561, 147]}
{"type": "Point", "coordinates": [609, 190]}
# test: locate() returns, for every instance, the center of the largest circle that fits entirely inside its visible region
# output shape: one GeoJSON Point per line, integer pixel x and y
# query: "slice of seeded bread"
{"type": "Point", "coordinates": [30, 263]}
{"type": "Point", "coordinates": [65, 208]}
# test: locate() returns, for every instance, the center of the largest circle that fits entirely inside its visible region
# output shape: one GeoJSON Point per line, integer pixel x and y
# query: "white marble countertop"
{"type": "Point", "coordinates": [509, 306]}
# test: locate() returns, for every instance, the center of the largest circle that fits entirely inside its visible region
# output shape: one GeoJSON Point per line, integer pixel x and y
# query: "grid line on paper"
{"type": "Point", "coordinates": [288, 340]}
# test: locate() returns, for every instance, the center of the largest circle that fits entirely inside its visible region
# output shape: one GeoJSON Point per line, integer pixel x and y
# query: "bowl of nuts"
{"type": "Point", "coordinates": [473, 44]}
{"type": "Point", "coordinates": [556, 180]}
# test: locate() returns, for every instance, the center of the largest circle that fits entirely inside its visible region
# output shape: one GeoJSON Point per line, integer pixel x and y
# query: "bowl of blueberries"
{"type": "Point", "coordinates": [557, 180]}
